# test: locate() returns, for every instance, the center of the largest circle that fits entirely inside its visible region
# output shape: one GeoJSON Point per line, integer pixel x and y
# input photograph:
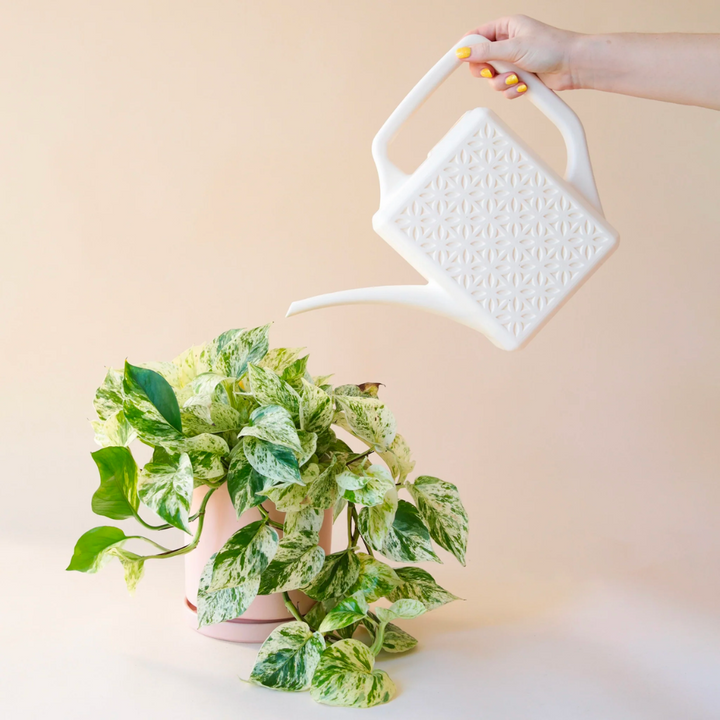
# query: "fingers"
{"type": "Point", "coordinates": [495, 30]}
{"type": "Point", "coordinates": [506, 50]}
{"type": "Point", "coordinates": [482, 70]}
{"type": "Point", "coordinates": [507, 83]}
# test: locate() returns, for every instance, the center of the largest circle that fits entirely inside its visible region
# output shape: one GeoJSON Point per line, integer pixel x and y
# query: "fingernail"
{"type": "Point", "coordinates": [486, 73]}
{"type": "Point", "coordinates": [463, 52]}
{"type": "Point", "coordinates": [511, 79]}
{"type": "Point", "coordinates": [521, 88]}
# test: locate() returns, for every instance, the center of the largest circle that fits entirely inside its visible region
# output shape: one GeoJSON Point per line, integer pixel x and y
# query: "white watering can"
{"type": "Point", "coordinates": [501, 238]}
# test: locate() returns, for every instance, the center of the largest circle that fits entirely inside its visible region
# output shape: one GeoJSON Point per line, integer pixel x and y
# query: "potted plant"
{"type": "Point", "coordinates": [242, 432]}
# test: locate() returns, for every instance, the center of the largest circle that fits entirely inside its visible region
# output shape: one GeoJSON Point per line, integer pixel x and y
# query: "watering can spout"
{"type": "Point", "coordinates": [426, 297]}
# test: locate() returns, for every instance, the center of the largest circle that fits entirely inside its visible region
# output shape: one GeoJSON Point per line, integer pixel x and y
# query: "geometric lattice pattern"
{"type": "Point", "coordinates": [504, 229]}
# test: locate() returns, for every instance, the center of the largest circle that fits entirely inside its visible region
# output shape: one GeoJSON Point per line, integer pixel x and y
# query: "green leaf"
{"type": "Point", "coordinates": [115, 431]}
{"type": "Point", "coordinates": [346, 612]}
{"type": "Point", "coordinates": [375, 522]}
{"type": "Point", "coordinates": [297, 561]}
{"type": "Point", "coordinates": [403, 609]}
{"type": "Point", "coordinates": [314, 616]}
{"type": "Point", "coordinates": [323, 492]}
{"type": "Point", "coordinates": [269, 389]}
{"type": "Point", "coordinates": [419, 584]}
{"type": "Point", "coordinates": [275, 425]}
{"type": "Point", "coordinates": [306, 518]}
{"type": "Point", "coordinates": [395, 640]}
{"type": "Point", "coordinates": [345, 677]}
{"type": "Point", "coordinates": [244, 556]}
{"type": "Point", "coordinates": [245, 484]}
{"type": "Point", "coordinates": [308, 443]}
{"type": "Point", "coordinates": [368, 419]}
{"type": "Point", "coordinates": [398, 458]}
{"type": "Point", "coordinates": [339, 573]}
{"type": "Point", "coordinates": [440, 506]}
{"type": "Point", "coordinates": [294, 373]}
{"type": "Point", "coordinates": [316, 408]}
{"type": "Point", "coordinates": [166, 488]}
{"type": "Point", "coordinates": [92, 549]}
{"type": "Point", "coordinates": [408, 540]}
{"type": "Point", "coordinates": [376, 579]}
{"type": "Point", "coordinates": [156, 389]}
{"type": "Point", "coordinates": [369, 489]}
{"type": "Point", "coordinates": [289, 657]}
{"type": "Point", "coordinates": [273, 461]}
{"type": "Point", "coordinates": [228, 604]}
{"type": "Point", "coordinates": [117, 496]}
{"type": "Point", "coordinates": [231, 352]}
{"type": "Point", "coordinates": [278, 359]}
{"type": "Point", "coordinates": [109, 396]}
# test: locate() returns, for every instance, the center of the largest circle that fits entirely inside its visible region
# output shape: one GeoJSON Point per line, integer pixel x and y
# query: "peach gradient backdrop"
{"type": "Point", "coordinates": [169, 170]}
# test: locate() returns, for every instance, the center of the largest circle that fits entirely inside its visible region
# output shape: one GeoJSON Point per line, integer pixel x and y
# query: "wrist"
{"type": "Point", "coordinates": [580, 66]}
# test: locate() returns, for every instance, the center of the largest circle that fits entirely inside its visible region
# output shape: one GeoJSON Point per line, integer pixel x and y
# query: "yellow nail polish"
{"type": "Point", "coordinates": [521, 88]}
{"type": "Point", "coordinates": [511, 79]}
{"type": "Point", "coordinates": [463, 52]}
{"type": "Point", "coordinates": [486, 73]}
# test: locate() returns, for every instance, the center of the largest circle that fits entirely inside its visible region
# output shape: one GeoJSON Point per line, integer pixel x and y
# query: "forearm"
{"type": "Point", "coordinates": [673, 67]}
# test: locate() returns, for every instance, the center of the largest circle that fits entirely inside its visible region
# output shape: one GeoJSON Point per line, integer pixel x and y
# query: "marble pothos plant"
{"type": "Point", "coordinates": [234, 412]}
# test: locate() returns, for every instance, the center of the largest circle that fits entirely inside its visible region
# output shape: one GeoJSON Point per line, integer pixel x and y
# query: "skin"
{"type": "Point", "coordinates": [673, 67]}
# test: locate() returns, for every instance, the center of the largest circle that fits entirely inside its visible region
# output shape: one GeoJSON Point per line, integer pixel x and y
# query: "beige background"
{"type": "Point", "coordinates": [169, 170]}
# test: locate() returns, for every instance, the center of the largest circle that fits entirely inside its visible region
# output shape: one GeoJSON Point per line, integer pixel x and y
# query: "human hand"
{"type": "Point", "coordinates": [529, 44]}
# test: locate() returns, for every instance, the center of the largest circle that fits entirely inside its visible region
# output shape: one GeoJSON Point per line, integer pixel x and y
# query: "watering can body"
{"type": "Point", "coordinates": [501, 238]}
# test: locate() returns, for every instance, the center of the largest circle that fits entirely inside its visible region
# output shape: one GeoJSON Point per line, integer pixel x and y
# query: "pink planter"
{"type": "Point", "coordinates": [266, 612]}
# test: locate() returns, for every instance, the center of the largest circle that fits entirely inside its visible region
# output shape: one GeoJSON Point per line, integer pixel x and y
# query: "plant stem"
{"type": "Point", "coordinates": [356, 534]}
{"type": "Point", "coordinates": [289, 605]}
{"type": "Point", "coordinates": [165, 526]}
{"type": "Point", "coordinates": [368, 548]}
{"type": "Point", "coordinates": [190, 546]}
{"type": "Point", "coordinates": [152, 542]}
{"type": "Point", "coordinates": [350, 510]}
{"type": "Point", "coordinates": [268, 519]}
{"type": "Point", "coordinates": [361, 456]}
{"type": "Point", "coordinates": [376, 647]}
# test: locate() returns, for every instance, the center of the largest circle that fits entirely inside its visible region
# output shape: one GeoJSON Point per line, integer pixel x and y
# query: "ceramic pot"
{"type": "Point", "coordinates": [266, 612]}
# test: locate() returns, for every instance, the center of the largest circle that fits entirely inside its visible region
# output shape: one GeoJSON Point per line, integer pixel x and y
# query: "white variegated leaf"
{"type": "Point", "coordinates": [114, 431]}
{"type": "Point", "coordinates": [308, 443]}
{"type": "Point", "coordinates": [444, 514]}
{"type": "Point", "coordinates": [206, 452]}
{"type": "Point", "coordinates": [273, 424]}
{"type": "Point", "coordinates": [190, 364]}
{"type": "Point", "coordinates": [376, 579]}
{"type": "Point", "coordinates": [345, 677]}
{"type": "Point", "coordinates": [408, 540]}
{"type": "Point", "coordinates": [289, 657]}
{"type": "Point", "coordinates": [376, 484]}
{"type": "Point", "coordinates": [222, 605]}
{"type": "Point", "coordinates": [419, 584]}
{"type": "Point", "coordinates": [403, 609]}
{"type": "Point", "coordinates": [166, 488]}
{"type": "Point", "coordinates": [368, 419]}
{"type": "Point", "coordinates": [395, 640]}
{"type": "Point", "coordinates": [272, 461]}
{"type": "Point", "coordinates": [133, 566]}
{"type": "Point", "coordinates": [109, 396]}
{"type": "Point", "coordinates": [375, 522]}
{"type": "Point", "coordinates": [244, 556]}
{"type": "Point", "coordinates": [316, 408]}
{"type": "Point", "coordinates": [348, 611]}
{"type": "Point", "coordinates": [231, 352]}
{"type": "Point", "coordinates": [268, 389]}
{"type": "Point", "coordinates": [286, 497]}
{"type": "Point", "coordinates": [305, 519]}
{"type": "Point", "coordinates": [149, 423]}
{"type": "Point", "coordinates": [278, 359]}
{"type": "Point", "coordinates": [245, 485]}
{"type": "Point", "coordinates": [323, 492]}
{"type": "Point", "coordinates": [167, 369]}
{"type": "Point", "coordinates": [223, 418]}
{"type": "Point", "coordinates": [297, 561]}
{"type": "Point", "coordinates": [398, 458]}
{"type": "Point", "coordinates": [339, 573]}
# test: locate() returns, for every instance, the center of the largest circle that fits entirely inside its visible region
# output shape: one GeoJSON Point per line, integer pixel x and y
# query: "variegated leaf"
{"type": "Point", "coordinates": [206, 452]}
{"type": "Point", "coordinates": [289, 657]}
{"type": "Point", "coordinates": [408, 540]}
{"type": "Point", "coordinates": [117, 496]}
{"type": "Point", "coordinates": [375, 522]}
{"type": "Point", "coordinates": [294, 373]}
{"type": "Point", "coordinates": [376, 579]}
{"type": "Point", "coordinates": [278, 359]}
{"type": "Point", "coordinates": [245, 484]}
{"type": "Point", "coordinates": [305, 519]}
{"type": "Point", "coordinates": [287, 497]}
{"type": "Point", "coordinates": [323, 492]}
{"type": "Point", "coordinates": [419, 584]}
{"type": "Point", "coordinates": [403, 609]}
{"type": "Point", "coordinates": [339, 573]}
{"type": "Point", "coordinates": [227, 604]}
{"type": "Point", "coordinates": [316, 408]}
{"type": "Point", "coordinates": [116, 431]}
{"type": "Point", "coordinates": [232, 351]}
{"type": "Point", "coordinates": [308, 443]}
{"type": "Point", "coordinates": [273, 461]}
{"type": "Point", "coordinates": [219, 417]}
{"type": "Point", "coordinates": [395, 639]}
{"type": "Point", "coordinates": [166, 488]}
{"type": "Point", "coordinates": [398, 458]}
{"type": "Point", "coordinates": [297, 561]}
{"type": "Point", "coordinates": [345, 677]}
{"type": "Point", "coordinates": [268, 389]}
{"type": "Point", "coordinates": [133, 566]}
{"type": "Point", "coordinates": [92, 549]}
{"type": "Point", "coordinates": [368, 419]}
{"type": "Point", "coordinates": [109, 396]}
{"type": "Point", "coordinates": [244, 556]}
{"type": "Point", "coordinates": [155, 426]}
{"type": "Point", "coordinates": [444, 514]}
{"type": "Point", "coordinates": [376, 483]}
{"type": "Point", "coordinates": [348, 611]}
{"type": "Point", "coordinates": [274, 424]}
{"type": "Point", "coordinates": [190, 364]}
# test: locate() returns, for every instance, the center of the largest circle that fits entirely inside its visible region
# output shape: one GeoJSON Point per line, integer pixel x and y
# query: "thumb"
{"type": "Point", "coordinates": [507, 50]}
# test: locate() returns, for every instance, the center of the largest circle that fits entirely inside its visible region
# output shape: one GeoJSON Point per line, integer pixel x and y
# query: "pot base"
{"type": "Point", "coordinates": [240, 630]}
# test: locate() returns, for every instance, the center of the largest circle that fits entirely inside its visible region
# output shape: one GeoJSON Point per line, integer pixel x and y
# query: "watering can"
{"type": "Point", "coordinates": [502, 240]}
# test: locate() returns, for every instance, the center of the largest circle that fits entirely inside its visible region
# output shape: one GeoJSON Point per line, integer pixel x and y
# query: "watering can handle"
{"type": "Point", "coordinates": [578, 171]}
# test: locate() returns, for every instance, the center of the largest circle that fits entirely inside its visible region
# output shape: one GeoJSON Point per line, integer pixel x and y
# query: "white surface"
{"type": "Point", "coordinates": [79, 647]}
